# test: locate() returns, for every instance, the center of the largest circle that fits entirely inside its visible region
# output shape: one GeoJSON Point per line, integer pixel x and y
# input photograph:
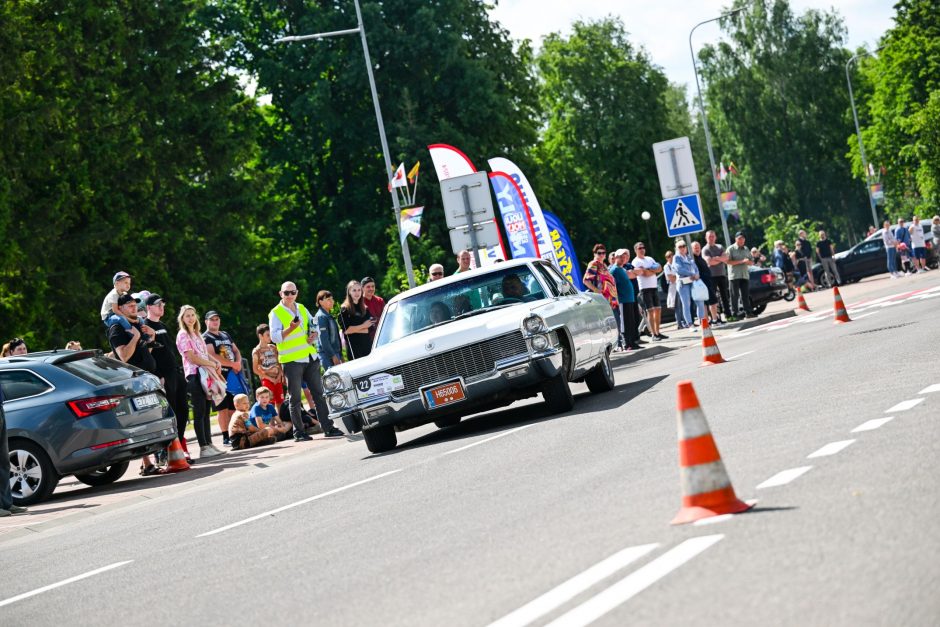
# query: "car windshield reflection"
{"type": "Point", "coordinates": [460, 299]}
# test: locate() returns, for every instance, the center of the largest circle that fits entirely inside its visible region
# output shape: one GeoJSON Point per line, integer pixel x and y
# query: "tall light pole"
{"type": "Point", "coordinates": [861, 146]}
{"type": "Point", "coordinates": [708, 137]}
{"type": "Point", "coordinates": [406, 254]}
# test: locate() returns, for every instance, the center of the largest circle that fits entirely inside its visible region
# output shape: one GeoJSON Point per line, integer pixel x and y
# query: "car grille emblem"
{"type": "Point", "coordinates": [429, 346]}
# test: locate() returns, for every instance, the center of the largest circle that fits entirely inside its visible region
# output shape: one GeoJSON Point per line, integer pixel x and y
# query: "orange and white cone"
{"type": "Point", "coordinates": [710, 353]}
{"type": "Point", "coordinates": [801, 302]}
{"type": "Point", "coordinates": [706, 487]}
{"type": "Point", "coordinates": [839, 312]}
{"type": "Point", "coordinates": [176, 459]}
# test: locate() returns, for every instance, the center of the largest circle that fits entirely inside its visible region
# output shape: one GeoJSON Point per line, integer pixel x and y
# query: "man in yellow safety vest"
{"type": "Point", "coordinates": [294, 332]}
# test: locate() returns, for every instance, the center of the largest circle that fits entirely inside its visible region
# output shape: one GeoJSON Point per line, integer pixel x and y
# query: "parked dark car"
{"type": "Point", "coordinates": [766, 286]}
{"type": "Point", "coordinates": [867, 258]}
{"type": "Point", "coordinates": [78, 413]}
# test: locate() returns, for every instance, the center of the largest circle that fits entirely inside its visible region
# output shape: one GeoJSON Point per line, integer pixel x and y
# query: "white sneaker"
{"type": "Point", "coordinates": [209, 451]}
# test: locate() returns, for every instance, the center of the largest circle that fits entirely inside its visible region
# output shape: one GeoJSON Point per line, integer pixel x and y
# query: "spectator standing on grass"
{"type": "Point", "coordinates": [293, 331]}
{"type": "Point", "coordinates": [356, 321]}
{"type": "Point", "coordinates": [328, 341]}
{"type": "Point", "coordinates": [626, 297]}
{"type": "Point", "coordinates": [646, 268]}
{"type": "Point", "coordinates": [805, 250]}
{"type": "Point", "coordinates": [919, 245]}
{"type": "Point", "coordinates": [598, 279]}
{"type": "Point", "coordinates": [265, 364]}
{"type": "Point", "coordinates": [192, 348]}
{"type": "Point", "coordinates": [374, 303]}
{"type": "Point", "coordinates": [891, 249]}
{"type": "Point", "coordinates": [739, 260]}
{"type": "Point", "coordinates": [222, 347]}
{"type": "Point", "coordinates": [715, 255]}
{"type": "Point", "coordinates": [7, 508]}
{"type": "Point", "coordinates": [168, 364]}
{"type": "Point", "coordinates": [825, 250]}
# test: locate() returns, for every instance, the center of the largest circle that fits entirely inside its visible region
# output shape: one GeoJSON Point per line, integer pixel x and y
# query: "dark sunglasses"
{"type": "Point", "coordinates": [601, 252]}
{"type": "Point", "coordinates": [641, 247]}
{"type": "Point", "coordinates": [289, 292]}
{"type": "Point", "coordinates": [437, 274]}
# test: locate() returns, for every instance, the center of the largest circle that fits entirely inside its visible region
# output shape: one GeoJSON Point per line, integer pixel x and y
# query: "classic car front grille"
{"type": "Point", "coordinates": [466, 361]}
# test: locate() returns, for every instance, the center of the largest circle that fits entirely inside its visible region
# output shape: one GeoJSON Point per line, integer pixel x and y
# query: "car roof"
{"type": "Point", "coordinates": [433, 285]}
{"type": "Point", "coordinates": [54, 356]}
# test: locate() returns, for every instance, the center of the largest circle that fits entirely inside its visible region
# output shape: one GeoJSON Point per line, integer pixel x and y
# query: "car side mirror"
{"type": "Point", "coordinates": [564, 288]}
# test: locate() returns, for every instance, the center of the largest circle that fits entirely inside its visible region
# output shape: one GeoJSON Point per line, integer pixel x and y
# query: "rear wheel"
{"type": "Point", "coordinates": [601, 377]}
{"type": "Point", "coordinates": [450, 421]}
{"type": "Point", "coordinates": [380, 439]}
{"type": "Point", "coordinates": [32, 477]}
{"type": "Point", "coordinates": [759, 309]}
{"type": "Point", "coordinates": [103, 476]}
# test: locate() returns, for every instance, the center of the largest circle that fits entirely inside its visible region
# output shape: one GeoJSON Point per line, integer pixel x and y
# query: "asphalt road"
{"type": "Point", "coordinates": [521, 518]}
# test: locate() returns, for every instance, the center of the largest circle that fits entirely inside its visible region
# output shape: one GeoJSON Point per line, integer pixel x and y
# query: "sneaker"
{"type": "Point", "coordinates": [635, 347]}
{"type": "Point", "coordinates": [334, 433]}
{"type": "Point", "coordinates": [660, 336]}
{"type": "Point", "coordinates": [655, 338]}
{"type": "Point", "coordinates": [209, 451]}
{"type": "Point", "coordinates": [16, 509]}
{"type": "Point", "coordinates": [730, 319]}
{"type": "Point", "coordinates": [226, 442]}
{"type": "Point", "coordinates": [303, 437]}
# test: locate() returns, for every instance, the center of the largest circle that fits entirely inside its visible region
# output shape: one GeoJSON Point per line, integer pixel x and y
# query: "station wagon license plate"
{"type": "Point", "coordinates": [146, 401]}
{"type": "Point", "coordinates": [444, 394]}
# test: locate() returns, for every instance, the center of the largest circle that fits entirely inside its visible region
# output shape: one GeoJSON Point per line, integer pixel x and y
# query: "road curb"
{"type": "Point", "coordinates": [781, 315]}
{"type": "Point", "coordinates": [644, 353]}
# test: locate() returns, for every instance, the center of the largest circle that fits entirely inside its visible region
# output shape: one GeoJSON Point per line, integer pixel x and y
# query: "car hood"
{"type": "Point", "coordinates": [439, 339]}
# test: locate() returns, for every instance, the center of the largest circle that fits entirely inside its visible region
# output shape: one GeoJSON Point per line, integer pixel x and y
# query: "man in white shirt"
{"type": "Point", "coordinates": [646, 270]}
{"type": "Point", "coordinates": [919, 245]}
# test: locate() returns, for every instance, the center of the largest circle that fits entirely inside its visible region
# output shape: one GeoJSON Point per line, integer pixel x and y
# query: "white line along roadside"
{"type": "Point", "coordinates": [64, 582]}
{"type": "Point", "coordinates": [296, 504]}
{"type": "Point", "coordinates": [930, 389]}
{"type": "Point", "coordinates": [564, 592]}
{"type": "Point", "coordinates": [784, 477]}
{"type": "Point", "coordinates": [485, 440]}
{"type": "Point", "coordinates": [831, 449]}
{"type": "Point", "coordinates": [635, 582]}
{"type": "Point", "coordinates": [905, 405]}
{"type": "Point", "coordinates": [873, 424]}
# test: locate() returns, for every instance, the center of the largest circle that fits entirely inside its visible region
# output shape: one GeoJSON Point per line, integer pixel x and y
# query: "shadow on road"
{"type": "Point", "coordinates": [493, 422]}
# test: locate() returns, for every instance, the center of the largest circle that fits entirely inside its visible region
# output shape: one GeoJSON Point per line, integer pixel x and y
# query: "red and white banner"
{"type": "Point", "coordinates": [501, 164]}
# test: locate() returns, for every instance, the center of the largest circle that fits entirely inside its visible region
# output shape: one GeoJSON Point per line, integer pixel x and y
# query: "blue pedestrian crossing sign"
{"type": "Point", "coordinates": [683, 215]}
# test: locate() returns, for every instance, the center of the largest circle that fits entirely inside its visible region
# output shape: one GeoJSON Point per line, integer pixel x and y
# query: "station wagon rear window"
{"type": "Point", "coordinates": [98, 370]}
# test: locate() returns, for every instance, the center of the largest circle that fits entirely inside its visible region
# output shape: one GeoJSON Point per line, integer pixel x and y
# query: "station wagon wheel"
{"type": "Point", "coordinates": [103, 476]}
{"type": "Point", "coordinates": [32, 477]}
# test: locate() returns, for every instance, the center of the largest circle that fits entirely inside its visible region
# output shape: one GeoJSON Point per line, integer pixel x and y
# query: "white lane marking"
{"type": "Point", "coordinates": [864, 315]}
{"type": "Point", "coordinates": [784, 477]}
{"type": "Point", "coordinates": [930, 389]}
{"type": "Point", "coordinates": [831, 449]}
{"type": "Point", "coordinates": [713, 519]}
{"type": "Point", "coordinates": [296, 504]}
{"type": "Point", "coordinates": [740, 355]}
{"type": "Point", "coordinates": [489, 439]}
{"type": "Point", "coordinates": [905, 405]}
{"type": "Point", "coordinates": [64, 582]}
{"type": "Point", "coordinates": [635, 582]}
{"type": "Point", "coordinates": [561, 594]}
{"type": "Point", "coordinates": [871, 425]}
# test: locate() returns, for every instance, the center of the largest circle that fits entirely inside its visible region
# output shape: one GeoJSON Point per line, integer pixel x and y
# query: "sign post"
{"type": "Point", "coordinates": [682, 206]}
{"type": "Point", "coordinates": [468, 209]}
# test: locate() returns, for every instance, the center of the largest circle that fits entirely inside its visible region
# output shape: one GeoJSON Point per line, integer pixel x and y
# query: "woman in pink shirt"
{"type": "Point", "coordinates": [192, 347]}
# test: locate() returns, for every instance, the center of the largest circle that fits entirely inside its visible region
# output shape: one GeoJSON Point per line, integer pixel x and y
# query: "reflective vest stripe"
{"type": "Point", "coordinates": [295, 347]}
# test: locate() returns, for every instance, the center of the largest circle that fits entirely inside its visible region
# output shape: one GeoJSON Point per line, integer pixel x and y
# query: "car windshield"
{"type": "Point", "coordinates": [98, 370]}
{"type": "Point", "coordinates": [477, 294]}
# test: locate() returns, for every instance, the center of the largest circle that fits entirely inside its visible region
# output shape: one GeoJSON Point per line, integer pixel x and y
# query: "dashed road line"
{"type": "Point", "coordinates": [905, 405]}
{"type": "Point", "coordinates": [784, 477]}
{"type": "Point", "coordinates": [295, 504]}
{"type": "Point", "coordinates": [562, 593]}
{"type": "Point", "coordinates": [489, 439]}
{"type": "Point", "coordinates": [873, 424]}
{"type": "Point", "coordinates": [930, 389]}
{"type": "Point", "coordinates": [635, 582]}
{"type": "Point", "coordinates": [739, 355]}
{"type": "Point", "coordinates": [831, 449]}
{"type": "Point", "coordinates": [64, 582]}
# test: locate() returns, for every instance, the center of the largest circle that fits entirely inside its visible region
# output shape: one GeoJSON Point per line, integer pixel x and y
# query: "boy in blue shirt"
{"type": "Point", "coordinates": [264, 414]}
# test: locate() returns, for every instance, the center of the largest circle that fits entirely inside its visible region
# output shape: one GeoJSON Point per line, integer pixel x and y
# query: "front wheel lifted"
{"type": "Point", "coordinates": [380, 439]}
{"type": "Point", "coordinates": [601, 377]}
{"type": "Point", "coordinates": [557, 394]}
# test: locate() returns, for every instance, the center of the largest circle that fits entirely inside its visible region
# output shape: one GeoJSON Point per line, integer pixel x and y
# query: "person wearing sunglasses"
{"type": "Point", "coordinates": [435, 272]}
{"type": "Point", "coordinates": [599, 280]}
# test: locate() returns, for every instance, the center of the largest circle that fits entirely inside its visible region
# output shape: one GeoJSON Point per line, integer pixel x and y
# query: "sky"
{"type": "Point", "coordinates": [662, 26]}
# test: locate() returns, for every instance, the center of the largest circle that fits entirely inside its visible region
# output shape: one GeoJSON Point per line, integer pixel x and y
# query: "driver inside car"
{"type": "Point", "coordinates": [513, 290]}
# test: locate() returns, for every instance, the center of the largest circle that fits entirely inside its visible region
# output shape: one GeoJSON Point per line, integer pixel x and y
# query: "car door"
{"type": "Point", "coordinates": [573, 310]}
{"type": "Point", "coordinates": [867, 259]}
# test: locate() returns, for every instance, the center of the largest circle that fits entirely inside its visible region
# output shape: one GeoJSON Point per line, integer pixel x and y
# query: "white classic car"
{"type": "Point", "coordinates": [472, 342]}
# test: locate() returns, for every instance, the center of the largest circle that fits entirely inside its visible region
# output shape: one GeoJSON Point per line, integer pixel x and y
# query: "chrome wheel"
{"type": "Point", "coordinates": [25, 474]}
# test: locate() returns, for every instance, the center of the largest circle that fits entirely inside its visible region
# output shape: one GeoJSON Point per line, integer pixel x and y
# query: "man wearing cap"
{"type": "Point", "coordinates": [294, 332]}
{"type": "Point", "coordinates": [130, 346]}
{"type": "Point", "coordinates": [169, 366]}
{"type": "Point", "coordinates": [374, 304]}
{"type": "Point", "coordinates": [435, 272]}
{"type": "Point", "coordinates": [220, 345]}
{"type": "Point", "coordinates": [739, 261]}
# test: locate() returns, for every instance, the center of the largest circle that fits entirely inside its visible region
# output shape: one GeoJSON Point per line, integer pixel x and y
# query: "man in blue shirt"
{"type": "Point", "coordinates": [7, 508]}
{"type": "Point", "coordinates": [629, 332]}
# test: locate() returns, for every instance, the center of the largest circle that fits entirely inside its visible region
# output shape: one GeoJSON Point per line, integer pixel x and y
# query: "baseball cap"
{"type": "Point", "coordinates": [155, 299]}
{"type": "Point", "coordinates": [212, 313]}
{"type": "Point", "coordinates": [366, 279]}
{"type": "Point", "coordinates": [619, 252]}
{"type": "Point", "coordinates": [141, 296]}
{"type": "Point", "coordinates": [739, 234]}
{"type": "Point", "coordinates": [120, 275]}
{"type": "Point", "coordinates": [123, 299]}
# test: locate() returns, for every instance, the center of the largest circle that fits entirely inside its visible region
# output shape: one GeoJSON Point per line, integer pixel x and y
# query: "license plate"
{"type": "Point", "coordinates": [145, 401]}
{"type": "Point", "coordinates": [444, 394]}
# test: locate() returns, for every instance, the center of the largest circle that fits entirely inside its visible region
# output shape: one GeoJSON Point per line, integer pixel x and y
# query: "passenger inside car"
{"type": "Point", "coordinates": [439, 312]}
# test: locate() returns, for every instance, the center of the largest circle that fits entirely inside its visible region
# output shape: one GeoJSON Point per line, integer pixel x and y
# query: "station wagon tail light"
{"type": "Point", "coordinates": [768, 278]}
{"type": "Point", "coordinates": [85, 407]}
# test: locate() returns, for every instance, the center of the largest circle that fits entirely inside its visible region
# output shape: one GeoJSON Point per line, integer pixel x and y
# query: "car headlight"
{"type": "Point", "coordinates": [337, 401]}
{"type": "Point", "coordinates": [332, 382]}
{"type": "Point", "coordinates": [533, 324]}
{"type": "Point", "coordinates": [540, 342]}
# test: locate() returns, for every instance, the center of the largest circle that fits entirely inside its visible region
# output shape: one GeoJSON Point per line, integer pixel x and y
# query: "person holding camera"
{"type": "Point", "coordinates": [294, 332]}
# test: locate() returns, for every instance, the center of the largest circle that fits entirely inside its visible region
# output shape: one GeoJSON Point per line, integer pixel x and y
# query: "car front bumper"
{"type": "Point", "coordinates": [511, 376]}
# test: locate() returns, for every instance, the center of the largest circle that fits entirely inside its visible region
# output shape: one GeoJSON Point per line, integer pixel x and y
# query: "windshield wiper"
{"type": "Point", "coordinates": [483, 310]}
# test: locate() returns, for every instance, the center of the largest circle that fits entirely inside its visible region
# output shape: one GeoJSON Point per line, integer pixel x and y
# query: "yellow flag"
{"type": "Point", "coordinates": [413, 172]}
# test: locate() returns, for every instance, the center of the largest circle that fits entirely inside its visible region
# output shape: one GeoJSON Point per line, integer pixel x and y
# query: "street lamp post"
{"type": "Point", "coordinates": [861, 146]}
{"type": "Point", "coordinates": [646, 218]}
{"type": "Point", "coordinates": [708, 137]}
{"type": "Point", "coordinates": [406, 253]}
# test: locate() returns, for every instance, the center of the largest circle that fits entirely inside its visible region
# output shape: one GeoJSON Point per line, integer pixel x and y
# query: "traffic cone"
{"type": "Point", "coordinates": [840, 314]}
{"type": "Point", "coordinates": [710, 353]}
{"type": "Point", "coordinates": [801, 302]}
{"type": "Point", "coordinates": [706, 487]}
{"type": "Point", "coordinates": [176, 459]}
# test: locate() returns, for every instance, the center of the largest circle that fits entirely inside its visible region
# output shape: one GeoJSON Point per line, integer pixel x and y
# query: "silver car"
{"type": "Point", "coordinates": [470, 343]}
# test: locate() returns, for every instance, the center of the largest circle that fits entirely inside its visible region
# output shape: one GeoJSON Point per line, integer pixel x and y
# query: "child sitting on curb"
{"type": "Point", "coordinates": [242, 433]}
{"type": "Point", "coordinates": [264, 414]}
